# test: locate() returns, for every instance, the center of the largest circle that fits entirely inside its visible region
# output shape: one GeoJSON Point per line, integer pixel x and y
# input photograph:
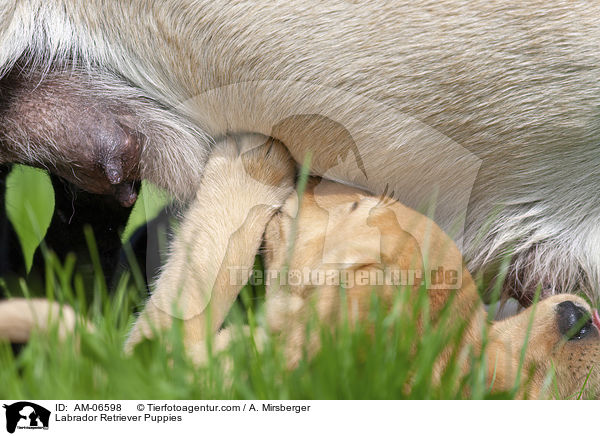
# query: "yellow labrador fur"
{"type": "Point", "coordinates": [333, 227]}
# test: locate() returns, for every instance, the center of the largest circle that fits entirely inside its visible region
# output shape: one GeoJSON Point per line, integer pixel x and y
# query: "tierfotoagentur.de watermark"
{"type": "Point", "coordinates": [438, 278]}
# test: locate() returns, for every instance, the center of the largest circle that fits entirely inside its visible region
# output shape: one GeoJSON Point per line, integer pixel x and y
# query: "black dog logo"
{"type": "Point", "coordinates": [26, 415]}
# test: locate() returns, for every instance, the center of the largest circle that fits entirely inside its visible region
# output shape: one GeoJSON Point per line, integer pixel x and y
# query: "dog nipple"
{"type": "Point", "coordinates": [126, 194]}
{"type": "Point", "coordinates": [114, 172]}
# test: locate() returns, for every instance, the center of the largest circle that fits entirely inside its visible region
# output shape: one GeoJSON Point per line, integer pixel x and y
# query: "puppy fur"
{"type": "Point", "coordinates": [332, 226]}
{"type": "Point", "coordinates": [19, 318]}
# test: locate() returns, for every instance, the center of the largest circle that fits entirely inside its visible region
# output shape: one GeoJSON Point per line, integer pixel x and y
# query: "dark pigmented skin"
{"type": "Point", "coordinates": [56, 122]}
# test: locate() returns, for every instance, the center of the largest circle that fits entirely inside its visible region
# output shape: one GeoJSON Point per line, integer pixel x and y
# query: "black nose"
{"type": "Point", "coordinates": [574, 321]}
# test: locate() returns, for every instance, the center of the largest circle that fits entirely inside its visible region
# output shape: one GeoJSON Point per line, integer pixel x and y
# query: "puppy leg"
{"type": "Point", "coordinates": [199, 351]}
{"type": "Point", "coordinates": [19, 317]}
{"type": "Point", "coordinates": [246, 179]}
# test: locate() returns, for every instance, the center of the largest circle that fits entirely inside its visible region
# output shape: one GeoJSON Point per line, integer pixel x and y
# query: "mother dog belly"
{"type": "Point", "coordinates": [488, 106]}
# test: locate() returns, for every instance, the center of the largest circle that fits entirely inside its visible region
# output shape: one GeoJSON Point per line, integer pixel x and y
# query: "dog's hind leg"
{"type": "Point", "coordinates": [246, 180]}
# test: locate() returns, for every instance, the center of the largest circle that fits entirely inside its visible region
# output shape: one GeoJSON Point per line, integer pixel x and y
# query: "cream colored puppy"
{"type": "Point", "coordinates": [411, 243]}
{"type": "Point", "coordinates": [246, 180]}
{"type": "Point", "coordinates": [338, 235]}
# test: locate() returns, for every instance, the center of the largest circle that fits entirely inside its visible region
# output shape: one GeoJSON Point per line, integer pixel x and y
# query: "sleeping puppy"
{"type": "Point", "coordinates": [338, 236]}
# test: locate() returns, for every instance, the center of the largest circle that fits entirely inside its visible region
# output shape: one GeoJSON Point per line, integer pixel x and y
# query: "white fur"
{"type": "Point", "coordinates": [439, 96]}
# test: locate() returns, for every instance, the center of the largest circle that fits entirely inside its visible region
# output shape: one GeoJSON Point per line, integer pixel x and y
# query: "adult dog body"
{"type": "Point", "coordinates": [438, 97]}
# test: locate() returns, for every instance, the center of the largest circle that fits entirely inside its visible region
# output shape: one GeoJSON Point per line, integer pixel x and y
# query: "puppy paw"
{"type": "Point", "coordinates": [252, 163]}
{"type": "Point", "coordinates": [269, 163]}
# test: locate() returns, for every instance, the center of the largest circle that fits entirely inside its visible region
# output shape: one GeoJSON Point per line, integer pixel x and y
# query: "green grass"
{"type": "Point", "coordinates": [387, 358]}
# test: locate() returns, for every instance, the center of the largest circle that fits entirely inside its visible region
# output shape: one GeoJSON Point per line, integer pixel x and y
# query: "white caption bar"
{"type": "Point", "coordinates": [285, 418]}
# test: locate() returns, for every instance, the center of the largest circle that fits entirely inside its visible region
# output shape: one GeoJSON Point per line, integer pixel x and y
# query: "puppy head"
{"type": "Point", "coordinates": [577, 355]}
{"type": "Point", "coordinates": [561, 333]}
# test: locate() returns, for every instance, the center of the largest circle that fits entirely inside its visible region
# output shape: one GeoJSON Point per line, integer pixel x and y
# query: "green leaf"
{"type": "Point", "coordinates": [29, 206]}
